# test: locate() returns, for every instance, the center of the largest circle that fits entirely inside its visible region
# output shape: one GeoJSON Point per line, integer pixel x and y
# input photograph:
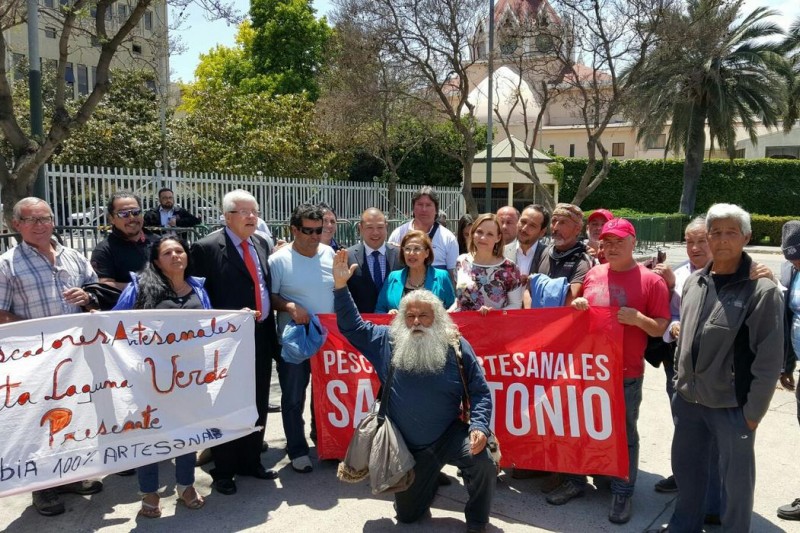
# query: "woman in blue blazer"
{"type": "Point", "coordinates": [416, 253]}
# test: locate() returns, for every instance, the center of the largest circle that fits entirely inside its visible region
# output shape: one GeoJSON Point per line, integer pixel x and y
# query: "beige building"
{"type": "Point", "coordinates": [562, 131]}
{"type": "Point", "coordinates": [146, 47]}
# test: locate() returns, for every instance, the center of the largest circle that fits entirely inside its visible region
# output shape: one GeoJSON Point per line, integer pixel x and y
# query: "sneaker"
{"type": "Point", "coordinates": [47, 502]}
{"type": "Point", "coordinates": [667, 485]}
{"type": "Point", "coordinates": [564, 493]}
{"type": "Point", "coordinates": [791, 511]}
{"type": "Point", "coordinates": [620, 512]}
{"type": "Point", "coordinates": [84, 488]}
{"type": "Point", "coordinates": [302, 465]}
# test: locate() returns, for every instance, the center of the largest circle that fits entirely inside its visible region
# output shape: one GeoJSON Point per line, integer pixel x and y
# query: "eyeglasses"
{"type": "Point", "coordinates": [310, 231]}
{"type": "Point", "coordinates": [31, 221]}
{"type": "Point", "coordinates": [126, 213]}
{"type": "Point", "coordinates": [245, 212]}
{"type": "Point", "coordinates": [414, 249]}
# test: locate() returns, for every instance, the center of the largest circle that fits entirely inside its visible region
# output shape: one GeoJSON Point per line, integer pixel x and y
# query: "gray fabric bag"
{"type": "Point", "coordinates": [378, 450]}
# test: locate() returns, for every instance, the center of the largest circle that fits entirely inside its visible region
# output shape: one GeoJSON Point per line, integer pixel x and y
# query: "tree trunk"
{"type": "Point", "coordinates": [466, 189]}
{"type": "Point", "coordinates": [693, 165]}
{"type": "Point", "coordinates": [17, 188]}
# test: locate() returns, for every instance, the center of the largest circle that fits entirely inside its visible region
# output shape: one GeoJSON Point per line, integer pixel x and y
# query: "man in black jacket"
{"type": "Point", "coordinates": [375, 259]}
{"type": "Point", "coordinates": [234, 262]}
{"type": "Point", "coordinates": [167, 214]}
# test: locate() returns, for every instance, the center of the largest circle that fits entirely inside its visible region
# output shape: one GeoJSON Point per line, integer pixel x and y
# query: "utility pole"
{"type": "Point", "coordinates": [490, 111]}
{"type": "Point", "coordinates": [35, 90]}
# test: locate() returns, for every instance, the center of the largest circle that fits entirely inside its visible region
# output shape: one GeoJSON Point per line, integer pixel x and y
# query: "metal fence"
{"type": "Point", "coordinates": [78, 194]}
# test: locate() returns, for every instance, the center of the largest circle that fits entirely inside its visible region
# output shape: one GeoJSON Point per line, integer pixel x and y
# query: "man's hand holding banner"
{"type": "Point", "coordinates": [556, 382]}
{"type": "Point", "coordinates": [89, 394]}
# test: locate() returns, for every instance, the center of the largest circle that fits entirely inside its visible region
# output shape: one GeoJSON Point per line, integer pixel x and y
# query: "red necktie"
{"type": "Point", "coordinates": [251, 268]}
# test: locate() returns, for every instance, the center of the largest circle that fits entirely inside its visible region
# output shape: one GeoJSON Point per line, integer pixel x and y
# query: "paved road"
{"type": "Point", "coordinates": [317, 502]}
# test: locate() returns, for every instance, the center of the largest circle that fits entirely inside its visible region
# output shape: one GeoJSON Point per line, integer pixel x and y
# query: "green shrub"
{"type": "Point", "coordinates": [767, 229]}
{"type": "Point", "coordinates": [769, 186]}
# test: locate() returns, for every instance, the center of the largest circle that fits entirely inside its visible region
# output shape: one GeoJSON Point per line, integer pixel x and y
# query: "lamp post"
{"type": "Point", "coordinates": [35, 91]}
{"type": "Point", "coordinates": [490, 110]}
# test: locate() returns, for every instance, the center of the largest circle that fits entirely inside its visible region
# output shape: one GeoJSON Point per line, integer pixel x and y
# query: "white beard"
{"type": "Point", "coordinates": [419, 350]}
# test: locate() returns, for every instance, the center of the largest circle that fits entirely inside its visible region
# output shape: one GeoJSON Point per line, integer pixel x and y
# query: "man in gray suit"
{"type": "Point", "coordinates": [375, 259]}
{"type": "Point", "coordinates": [526, 250]}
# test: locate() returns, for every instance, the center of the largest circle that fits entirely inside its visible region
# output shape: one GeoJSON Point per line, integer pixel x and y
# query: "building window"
{"type": "Point", "coordinates": [94, 76]}
{"type": "Point", "coordinates": [151, 84]}
{"type": "Point", "coordinates": [657, 142]}
{"type": "Point", "coordinates": [50, 3]}
{"type": "Point", "coordinates": [148, 20]}
{"type": "Point", "coordinates": [618, 149]}
{"type": "Point", "coordinates": [572, 150]}
{"type": "Point", "coordinates": [782, 152]}
{"type": "Point", "coordinates": [50, 32]}
{"type": "Point", "coordinates": [122, 12]}
{"type": "Point", "coordinates": [137, 49]}
{"type": "Point", "coordinates": [83, 80]}
{"type": "Point", "coordinates": [739, 153]}
{"type": "Point", "coordinates": [69, 78]}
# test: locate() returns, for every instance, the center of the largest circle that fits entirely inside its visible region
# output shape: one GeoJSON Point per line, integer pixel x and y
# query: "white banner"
{"type": "Point", "coordinates": [86, 395]}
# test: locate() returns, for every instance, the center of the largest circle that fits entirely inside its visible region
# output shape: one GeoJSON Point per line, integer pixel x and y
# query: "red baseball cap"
{"type": "Point", "coordinates": [618, 227]}
{"type": "Point", "coordinates": [605, 214]}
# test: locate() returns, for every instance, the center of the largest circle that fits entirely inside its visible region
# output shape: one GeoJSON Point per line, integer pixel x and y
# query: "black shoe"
{"type": "Point", "coordinates": [791, 511]}
{"type": "Point", "coordinates": [443, 479]}
{"type": "Point", "coordinates": [225, 486]}
{"type": "Point", "coordinates": [84, 488]}
{"type": "Point", "coordinates": [126, 473]}
{"type": "Point", "coordinates": [272, 408]}
{"type": "Point", "coordinates": [620, 512]}
{"type": "Point", "coordinates": [712, 520]}
{"type": "Point", "coordinates": [47, 502]}
{"type": "Point", "coordinates": [259, 473]}
{"type": "Point", "coordinates": [667, 485]}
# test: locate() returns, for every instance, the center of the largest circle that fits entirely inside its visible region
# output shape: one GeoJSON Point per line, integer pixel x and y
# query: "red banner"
{"type": "Point", "coordinates": [555, 377]}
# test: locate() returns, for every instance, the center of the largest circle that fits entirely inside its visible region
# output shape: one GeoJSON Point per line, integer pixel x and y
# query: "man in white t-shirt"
{"type": "Point", "coordinates": [425, 205]}
{"type": "Point", "coordinates": [302, 285]}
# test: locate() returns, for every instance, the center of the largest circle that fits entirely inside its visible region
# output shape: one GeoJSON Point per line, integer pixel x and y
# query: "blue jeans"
{"type": "Point", "coordinates": [184, 473]}
{"type": "Point", "coordinates": [480, 477]}
{"type": "Point", "coordinates": [697, 429]}
{"type": "Point", "coordinates": [294, 380]}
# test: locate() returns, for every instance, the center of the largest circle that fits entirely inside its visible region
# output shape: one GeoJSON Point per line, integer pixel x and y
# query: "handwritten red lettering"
{"type": "Point", "coordinates": [180, 379]}
{"type": "Point", "coordinates": [10, 397]}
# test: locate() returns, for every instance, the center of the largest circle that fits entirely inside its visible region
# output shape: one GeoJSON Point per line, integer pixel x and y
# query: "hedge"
{"type": "Point", "coordinates": [765, 186]}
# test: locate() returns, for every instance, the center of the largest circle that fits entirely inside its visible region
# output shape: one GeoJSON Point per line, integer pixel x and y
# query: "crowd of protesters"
{"type": "Point", "coordinates": [723, 328]}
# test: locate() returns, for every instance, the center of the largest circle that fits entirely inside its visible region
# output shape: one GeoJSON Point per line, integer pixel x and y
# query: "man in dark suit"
{"type": "Point", "coordinates": [365, 284]}
{"type": "Point", "coordinates": [234, 281]}
{"type": "Point", "coordinates": [167, 214]}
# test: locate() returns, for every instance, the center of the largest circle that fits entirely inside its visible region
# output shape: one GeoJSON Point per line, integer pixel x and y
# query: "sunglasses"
{"type": "Point", "coordinates": [310, 231]}
{"type": "Point", "coordinates": [128, 213]}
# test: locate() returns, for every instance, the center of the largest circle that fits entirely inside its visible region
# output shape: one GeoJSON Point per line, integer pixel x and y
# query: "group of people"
{"type": "Point", "coordinates": [715, 317]}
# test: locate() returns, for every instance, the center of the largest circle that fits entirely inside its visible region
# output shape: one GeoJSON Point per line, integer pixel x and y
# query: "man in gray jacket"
{"type": "Point", "coordinates": [728, 361]}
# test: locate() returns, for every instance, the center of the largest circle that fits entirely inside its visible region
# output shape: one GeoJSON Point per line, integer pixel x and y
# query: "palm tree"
{"type": "Point", "coordinates": [712, 70]}
{"type": "Point", "coordinates": [791, 46]}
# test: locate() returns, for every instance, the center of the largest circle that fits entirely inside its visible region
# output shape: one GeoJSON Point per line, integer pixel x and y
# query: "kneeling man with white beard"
{"type": "Point", "coordinates": [425, 395]}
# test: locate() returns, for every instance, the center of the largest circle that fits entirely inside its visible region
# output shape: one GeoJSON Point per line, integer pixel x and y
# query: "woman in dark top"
{"type": "Point", "coordinates": [163, 284]}
{"type": "Point", "coordinates": [464, 229]}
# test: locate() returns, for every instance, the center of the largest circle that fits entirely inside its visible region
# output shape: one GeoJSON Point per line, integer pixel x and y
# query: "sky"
{"type": "Point", "coordinates": [199, 35]}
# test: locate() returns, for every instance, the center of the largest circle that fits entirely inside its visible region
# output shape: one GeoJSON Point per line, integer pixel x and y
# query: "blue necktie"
{"type": "Point", "coordinates": [377, 277]}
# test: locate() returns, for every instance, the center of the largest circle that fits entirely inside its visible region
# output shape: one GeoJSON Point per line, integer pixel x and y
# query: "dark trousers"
{"type": "Point", "coordinates": [697, 428]}
{"type": "Point", "coordinates": [243, 455]}
{"type": "Point", "coordinates": [294, 380]}
{"type": "Point", "coordinates": [480, 477]}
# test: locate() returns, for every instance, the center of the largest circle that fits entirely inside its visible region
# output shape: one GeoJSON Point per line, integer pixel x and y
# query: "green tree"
{"type": "Point", "coordinates": [246, 133]}
{"type": "Point", "coordinates": [288, 48]}
{"type": "Point", "coordinates": [711, 70]}
{"type": "Point", "coordinates": [791, 46]}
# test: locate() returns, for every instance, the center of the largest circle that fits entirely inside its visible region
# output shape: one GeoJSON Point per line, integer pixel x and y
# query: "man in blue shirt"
{"type": "Point", "coordinates": [426, 395]}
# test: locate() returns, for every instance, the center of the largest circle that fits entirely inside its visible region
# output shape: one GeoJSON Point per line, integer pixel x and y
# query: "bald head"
{"type": "Point", "coordinates": [508, 217]}
{"type": "Point", "coordinates": [373, 227]}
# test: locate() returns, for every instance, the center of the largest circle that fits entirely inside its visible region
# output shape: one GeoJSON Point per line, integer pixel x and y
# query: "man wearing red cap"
{"type": "Point", "coordinates": [594, 226]}
{"type": "Point", "coordinates": [643, 301]}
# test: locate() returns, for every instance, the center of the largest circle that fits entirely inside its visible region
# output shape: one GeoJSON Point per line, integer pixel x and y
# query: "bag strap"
{"type": "Point", "coordinates": [465, 405]}
{"type": "Point", "coordinates": [385, 396]}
